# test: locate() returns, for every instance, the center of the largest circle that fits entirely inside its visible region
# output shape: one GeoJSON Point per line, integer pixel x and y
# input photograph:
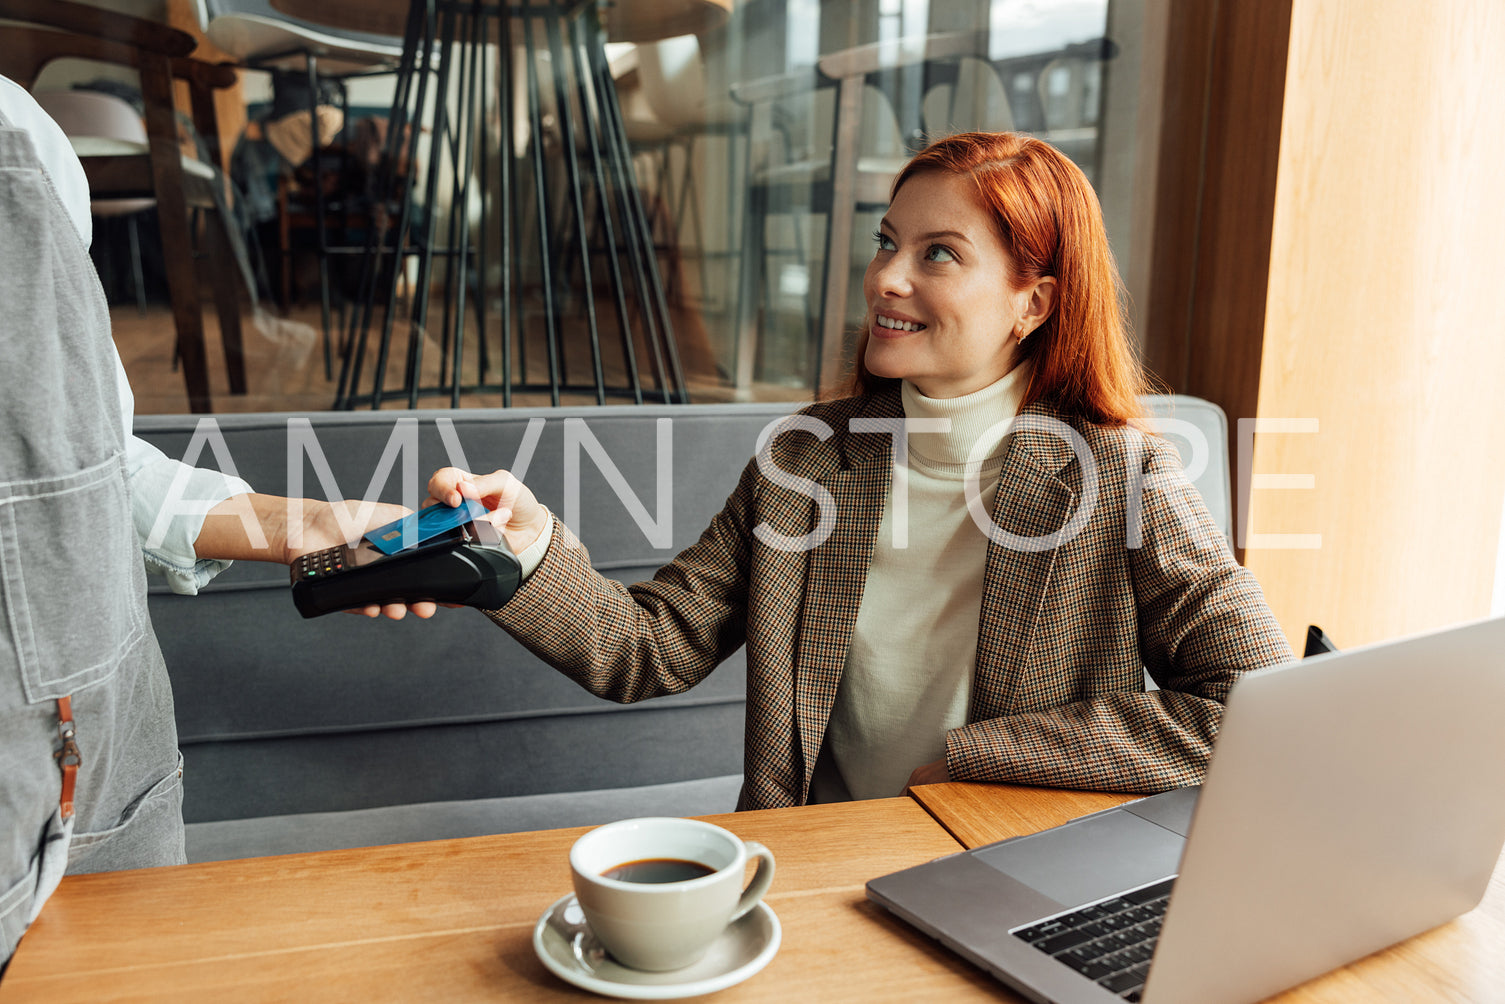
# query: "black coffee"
{"type": "Point", "coordinates": [658, 870]}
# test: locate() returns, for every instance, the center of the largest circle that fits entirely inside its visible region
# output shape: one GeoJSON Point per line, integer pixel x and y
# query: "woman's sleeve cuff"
{"type": "Point", "coordinates": [532, 555]}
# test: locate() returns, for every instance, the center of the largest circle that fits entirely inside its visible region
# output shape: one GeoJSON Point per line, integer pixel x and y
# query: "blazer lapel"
{"type": "Point", "coordinates": [1035, 506]}
{"type": "Point", "coordinates": [835, 576]}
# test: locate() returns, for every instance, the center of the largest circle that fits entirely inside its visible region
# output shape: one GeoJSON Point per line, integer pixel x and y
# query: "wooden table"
{"type": "Point", "coordinates": [1460, 961]}
{"type": "Point", "coordinates": [977, 814]}
{"type": "Point", "coordinates": [453, 920]}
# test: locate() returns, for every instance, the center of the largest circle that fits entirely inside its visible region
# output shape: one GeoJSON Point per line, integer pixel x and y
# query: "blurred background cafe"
{"type": "Point", "coordinates": [659, 199]}
{"type": "Point", "coordinates": [456, 205]}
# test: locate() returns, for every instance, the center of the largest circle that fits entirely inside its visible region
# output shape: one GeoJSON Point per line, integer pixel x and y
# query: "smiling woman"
{"type": "Point", "coordinates": [932, 576]}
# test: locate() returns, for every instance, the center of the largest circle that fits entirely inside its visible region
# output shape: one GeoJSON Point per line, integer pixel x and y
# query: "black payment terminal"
{"type": "Point", "coordinates": [470, 565]}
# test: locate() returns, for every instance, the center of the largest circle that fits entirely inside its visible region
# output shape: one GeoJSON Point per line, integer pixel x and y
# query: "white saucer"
{"type": "Point", "coordinates": [566, 946]}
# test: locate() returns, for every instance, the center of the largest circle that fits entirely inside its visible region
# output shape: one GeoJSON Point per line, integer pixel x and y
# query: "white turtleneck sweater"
{"type": "Point", "coordinates": [908, 674]}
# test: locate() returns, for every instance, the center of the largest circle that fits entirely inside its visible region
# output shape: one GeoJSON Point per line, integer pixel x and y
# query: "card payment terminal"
{"type": "Point", "coordinates": [469, 564]}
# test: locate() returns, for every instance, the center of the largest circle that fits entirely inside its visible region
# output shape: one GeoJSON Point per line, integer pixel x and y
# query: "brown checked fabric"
{"type": "Point", "coordinates": [1071, 613]}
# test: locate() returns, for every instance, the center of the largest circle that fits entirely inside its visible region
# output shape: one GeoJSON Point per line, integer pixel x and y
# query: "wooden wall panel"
{"type": "Point", "coordinates": [1167, 214]}
{"type": "Point", "coordinates": [1215, 197]}
{"type": "Point", "coordinates": [1382, 319]}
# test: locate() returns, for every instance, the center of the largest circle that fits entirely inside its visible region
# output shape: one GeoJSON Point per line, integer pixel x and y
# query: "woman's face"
{"type": "Point", "coordinates": [942, 312]}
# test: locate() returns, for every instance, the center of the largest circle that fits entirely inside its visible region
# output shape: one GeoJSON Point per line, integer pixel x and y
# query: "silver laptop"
{"type": "Point", "coordinates": [1353, 800]}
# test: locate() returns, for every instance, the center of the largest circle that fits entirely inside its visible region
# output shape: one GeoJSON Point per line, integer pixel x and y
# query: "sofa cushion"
{"type": "Point", "coordinates": [323, 831]}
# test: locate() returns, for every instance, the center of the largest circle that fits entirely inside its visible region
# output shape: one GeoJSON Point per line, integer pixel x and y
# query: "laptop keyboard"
{"type": "Point", "coordinates": [1109, 942]}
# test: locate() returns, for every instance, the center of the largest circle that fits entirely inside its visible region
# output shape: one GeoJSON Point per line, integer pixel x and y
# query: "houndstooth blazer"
{"type": "Point", "coordinates": [1095, 572]}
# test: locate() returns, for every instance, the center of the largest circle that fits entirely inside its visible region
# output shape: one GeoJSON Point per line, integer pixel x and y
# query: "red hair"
{"type": "Point", "coordinates": [1051, 225]}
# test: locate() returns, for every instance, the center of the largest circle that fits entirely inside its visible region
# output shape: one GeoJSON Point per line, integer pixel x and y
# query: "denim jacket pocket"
{"type": "Point", "coordinates": [148, 833]}
{"type": "Point", "coordinates": [70, 578]}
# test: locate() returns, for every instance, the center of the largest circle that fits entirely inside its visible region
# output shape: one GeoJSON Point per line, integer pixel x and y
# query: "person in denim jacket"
{"type": "Point", "coordinates": [90, 775]}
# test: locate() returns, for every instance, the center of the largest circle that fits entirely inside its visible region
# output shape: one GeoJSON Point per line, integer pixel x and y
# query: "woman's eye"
{"type": "Point", "coordinates": [939, 252]}
{"type": "Point", "coordinates": [883, 241]}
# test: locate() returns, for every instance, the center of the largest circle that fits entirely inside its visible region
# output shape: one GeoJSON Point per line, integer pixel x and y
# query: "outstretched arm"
{"type": "Point", "coordinates": [256, 527]}
{"type": "Point", "coordinates": [625, 643]}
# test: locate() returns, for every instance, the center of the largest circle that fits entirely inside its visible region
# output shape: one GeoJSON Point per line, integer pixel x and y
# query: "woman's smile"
{"type": "Point", "coordinates": [891, 325]}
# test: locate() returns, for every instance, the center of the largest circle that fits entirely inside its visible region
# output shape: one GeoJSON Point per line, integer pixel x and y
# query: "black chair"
{"type": "Point", "coordinates": [536, 140]}
{"type": "Point", "coordinates": [1317, 642]}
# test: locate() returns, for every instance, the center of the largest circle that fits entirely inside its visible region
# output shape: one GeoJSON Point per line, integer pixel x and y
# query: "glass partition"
{"type": "Point", "coordinates": [829, 101]}
{"type": "Point", "coordinates": [763, 148]}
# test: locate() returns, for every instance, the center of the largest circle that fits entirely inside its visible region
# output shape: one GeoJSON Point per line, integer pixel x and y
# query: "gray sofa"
{"type": "Point", "coordinates": [342, 731]}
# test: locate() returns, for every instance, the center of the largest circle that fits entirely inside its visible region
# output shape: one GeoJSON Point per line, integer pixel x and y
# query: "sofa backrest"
{"type": "Point", "coordinates": [280, 715]}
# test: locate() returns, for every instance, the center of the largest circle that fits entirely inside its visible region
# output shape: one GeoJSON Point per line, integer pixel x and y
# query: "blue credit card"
{"type": "Point", "coordinates": [425, 524]}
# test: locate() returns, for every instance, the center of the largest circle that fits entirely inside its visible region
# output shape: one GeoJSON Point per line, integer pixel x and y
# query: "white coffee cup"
{"type": "Point", "coordinates": [659, 925]}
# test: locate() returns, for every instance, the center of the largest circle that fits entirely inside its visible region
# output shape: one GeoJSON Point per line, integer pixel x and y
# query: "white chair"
{"type": "Point", "coordinates": [683, 109]}
{"type": "Point", "coordinates": [838, 160]}
{"type": "Point", "coordinates": [259, 35]}
{"type": "Point", "coordinates": [99, 124]}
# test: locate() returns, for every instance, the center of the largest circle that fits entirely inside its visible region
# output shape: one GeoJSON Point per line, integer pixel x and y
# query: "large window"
{"type": "Point", "coordinates": [762, 148]}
